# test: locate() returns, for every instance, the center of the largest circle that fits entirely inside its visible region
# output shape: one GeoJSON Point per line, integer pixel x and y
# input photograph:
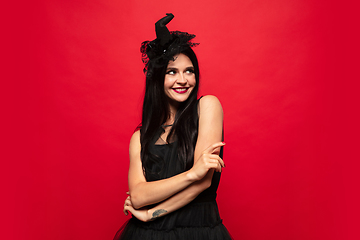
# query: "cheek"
{"type": "Point", "coordinates": [192, 81]}
{"type": "Point", "coordinates": [168, 82]}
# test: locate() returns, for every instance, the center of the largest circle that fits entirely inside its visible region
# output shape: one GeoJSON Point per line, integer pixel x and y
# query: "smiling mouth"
{"type": "Point", "coordinates": [180, 90]}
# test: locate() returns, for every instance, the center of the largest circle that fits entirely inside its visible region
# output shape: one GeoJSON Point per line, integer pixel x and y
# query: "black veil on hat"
{"type": "Point", "coordinates": [157, 53]}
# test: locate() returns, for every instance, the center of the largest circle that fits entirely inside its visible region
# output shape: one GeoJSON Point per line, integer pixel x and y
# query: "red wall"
{"type": "Point", "coordinates": [75, 74]}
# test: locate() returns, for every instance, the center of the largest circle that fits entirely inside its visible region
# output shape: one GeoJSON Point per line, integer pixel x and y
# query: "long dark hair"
{"type": "Point", "coordinates": [156, 111]}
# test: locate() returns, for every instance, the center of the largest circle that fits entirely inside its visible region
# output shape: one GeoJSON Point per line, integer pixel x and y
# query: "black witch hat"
{"type": "Point", "coordinates": [159, 52]}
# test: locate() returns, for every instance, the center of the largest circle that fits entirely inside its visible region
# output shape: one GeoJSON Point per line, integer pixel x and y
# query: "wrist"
{"type": "Point", "coordinates": [191, 176]}
{"type": "Point", "coordinates": [148, 215]}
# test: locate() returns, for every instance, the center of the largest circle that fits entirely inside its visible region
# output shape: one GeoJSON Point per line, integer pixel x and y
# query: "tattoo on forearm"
{"type": "Point", "coordinates": [158, 213]}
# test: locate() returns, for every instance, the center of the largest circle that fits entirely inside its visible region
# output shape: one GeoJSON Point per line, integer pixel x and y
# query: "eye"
{"type": "Point", "coordinates": [171, 72]}
{"type": "Point", "coordinates": [189, 71]}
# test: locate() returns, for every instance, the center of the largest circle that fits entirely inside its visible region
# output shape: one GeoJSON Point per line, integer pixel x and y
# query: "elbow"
{"type": "Point", "coordinates": [137, 200]}
{"type": "Point", "coordinates": [136, 205]}
{"type": "Point", "coordinates": [205, 185]}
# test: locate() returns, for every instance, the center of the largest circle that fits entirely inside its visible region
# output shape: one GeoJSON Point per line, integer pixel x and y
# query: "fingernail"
{"type": "Point", "coordinates": [223, 143]}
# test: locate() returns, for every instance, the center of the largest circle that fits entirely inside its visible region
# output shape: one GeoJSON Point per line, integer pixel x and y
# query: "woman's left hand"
{"type": "Point", "coordinates": [141, 214]}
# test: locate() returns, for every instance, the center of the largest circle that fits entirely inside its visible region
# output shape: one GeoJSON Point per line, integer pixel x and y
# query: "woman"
{"type": "Point", "coordinates": [174, 158]}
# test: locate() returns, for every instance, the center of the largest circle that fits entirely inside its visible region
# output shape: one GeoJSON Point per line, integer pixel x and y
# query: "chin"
{"type": "Point", "coordinates": [178, 99]}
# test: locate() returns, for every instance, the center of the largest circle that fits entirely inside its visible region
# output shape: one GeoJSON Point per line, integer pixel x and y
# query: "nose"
{"type": "Point", "coordinates": [181, 79]}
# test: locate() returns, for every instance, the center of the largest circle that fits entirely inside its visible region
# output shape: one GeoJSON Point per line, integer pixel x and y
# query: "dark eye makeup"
{"type": "Point", "coordinates": [170, 71]}
{"type": "Point", "coordinates": [174, 70]}
{"type": "Point", "coordinates": [190, 70]}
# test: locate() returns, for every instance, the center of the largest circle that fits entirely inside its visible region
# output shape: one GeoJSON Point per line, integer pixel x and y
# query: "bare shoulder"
{"type": "Point", "coordinates": [135, 143]}
{"type": "Point", "coordinates": [135, 138]}
{"type": "Point", "coordinates": [210, 104]}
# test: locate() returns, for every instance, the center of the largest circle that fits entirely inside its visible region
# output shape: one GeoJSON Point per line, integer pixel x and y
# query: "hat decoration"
{"type": "Point", "coordinates": [159, 52]}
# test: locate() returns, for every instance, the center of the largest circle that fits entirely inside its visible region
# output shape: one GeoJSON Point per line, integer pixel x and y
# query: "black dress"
{"type": "Point", "coordinates": [196, 221]}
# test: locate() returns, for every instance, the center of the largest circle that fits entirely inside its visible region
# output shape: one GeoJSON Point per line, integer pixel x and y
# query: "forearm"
{"type": "Point", "coordinates": [147, 193]}
{"type": "Point", "coordinates": [181, 198]}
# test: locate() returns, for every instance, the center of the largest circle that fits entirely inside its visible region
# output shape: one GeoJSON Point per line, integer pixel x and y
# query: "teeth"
{"type": "Point", "coordinates": [180, 89]}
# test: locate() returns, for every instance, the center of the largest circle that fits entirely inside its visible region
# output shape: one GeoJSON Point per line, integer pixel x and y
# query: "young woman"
{"type": "Point", "coordinates": [176, 156]}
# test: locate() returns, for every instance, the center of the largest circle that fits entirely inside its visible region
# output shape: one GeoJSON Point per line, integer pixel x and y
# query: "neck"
{"type": "Point", "coordinates": [171, 118]}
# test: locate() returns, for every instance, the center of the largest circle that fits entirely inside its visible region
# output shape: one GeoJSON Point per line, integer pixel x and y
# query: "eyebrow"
{"type": "Point", "coordinates": [174, 68]}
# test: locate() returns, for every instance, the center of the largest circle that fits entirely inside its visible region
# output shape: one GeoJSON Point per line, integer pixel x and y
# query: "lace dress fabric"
{"type": "Point", "coordinates": [198, 220]}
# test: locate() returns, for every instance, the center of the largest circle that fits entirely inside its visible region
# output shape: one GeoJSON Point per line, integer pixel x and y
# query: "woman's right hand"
{"type": "Point", "coordinates": [141, 214]}
{"type": "Point", "coordinates": [209, 159]}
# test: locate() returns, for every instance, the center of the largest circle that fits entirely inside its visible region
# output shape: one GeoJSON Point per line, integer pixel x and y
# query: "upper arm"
{"type": "Point", "coordinates": [210, 124]}
{"type": "Point", "coordinates": [136, 174]}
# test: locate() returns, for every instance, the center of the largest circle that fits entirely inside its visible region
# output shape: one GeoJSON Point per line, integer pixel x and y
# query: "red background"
{"type": "Point", "coordinates": [72, 95]}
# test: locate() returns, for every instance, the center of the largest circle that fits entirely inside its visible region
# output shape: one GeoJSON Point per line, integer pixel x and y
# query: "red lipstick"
{"type": "Point", "coordinates": [180, 90]}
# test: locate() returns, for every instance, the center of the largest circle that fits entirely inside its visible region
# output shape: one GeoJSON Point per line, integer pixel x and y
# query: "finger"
{"type": "Point", "coordinates": [129, 209]}
{"type": "Point", "coordinates": [125, 211]}
{"type": "Point", "coordinates": [219, 168]}
{"type": "Point", "coordinates": [128, 193]}
{"type": "Point", "coordinates": [215, 164]}
{"type": "Point", "coordinates": [220, 161]}
{"type": "Point", "coordinates": [213, 160]}
{"type": "Point", "coordinates": [213, 147]}
{"type": "Point", "coordinates": [128, 203]}
{"type": "Point", "coordinates": [218, 158]}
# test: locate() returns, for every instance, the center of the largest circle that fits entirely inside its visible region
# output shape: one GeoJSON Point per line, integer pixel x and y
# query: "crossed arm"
{"type": "Point", "coordinates": [179, 190]}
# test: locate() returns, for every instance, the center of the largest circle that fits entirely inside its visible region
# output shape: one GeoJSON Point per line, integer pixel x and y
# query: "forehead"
{"type": "Point", "coordinates": [181, 60]}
